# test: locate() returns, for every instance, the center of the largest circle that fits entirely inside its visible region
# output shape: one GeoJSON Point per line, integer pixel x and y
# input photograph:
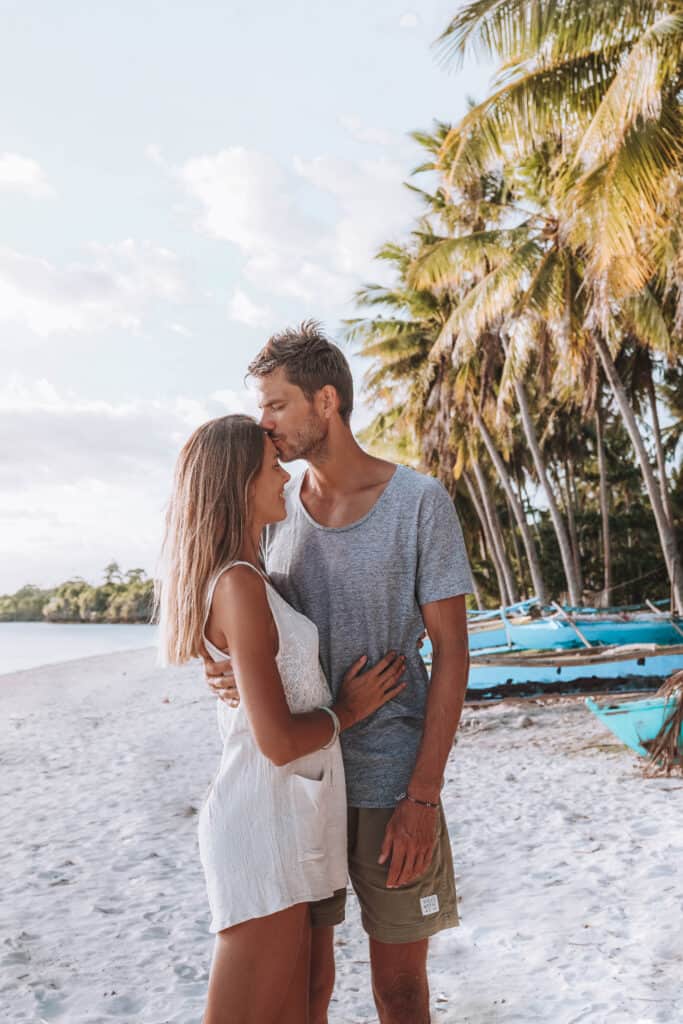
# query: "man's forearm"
{"type": "Point", "coordinates": [445, 700]}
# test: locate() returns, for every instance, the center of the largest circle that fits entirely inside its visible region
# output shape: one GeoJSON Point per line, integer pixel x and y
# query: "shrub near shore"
{"type": "Point", "coordinates": [122, 598]}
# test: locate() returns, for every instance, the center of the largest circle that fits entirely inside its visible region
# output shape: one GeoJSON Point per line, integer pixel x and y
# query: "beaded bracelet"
{"type": "Point", "coordinates": [414, 800]}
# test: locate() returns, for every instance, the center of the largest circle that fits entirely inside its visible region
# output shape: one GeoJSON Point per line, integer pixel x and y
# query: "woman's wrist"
{"type": "Point", "coordinates": [344, 716]}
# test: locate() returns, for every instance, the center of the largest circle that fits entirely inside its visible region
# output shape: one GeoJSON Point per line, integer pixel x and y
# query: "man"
{"type": "Point", "coordinates": [372, 553]}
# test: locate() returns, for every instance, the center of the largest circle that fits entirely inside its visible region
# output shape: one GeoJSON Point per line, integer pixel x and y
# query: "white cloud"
{"type": "Point", "coordinates": [364, 133]}
{"type": "Point", "coordinates": [263, 208]}
{"type": "Point", "coordinates": [22, 174]}
{"type": "Point", "coordinates": [112, 289]}
{"type": "Point", "coordinates": [58, 436]}
{"type": "Point", "coordinates": [154, 155]}
{"type": "Point", "coordinates": [408, 20]}
{"type": "Point", "coordinates": [247, 199]}
{"type": "Point", "coordinates": [85, 480]}
{"type": "Point", "coordinates": [245, 311]}
{"type": "Point", "coordinates": [180, 329]}
{"type": "Point", "coordinates": [374, 206]}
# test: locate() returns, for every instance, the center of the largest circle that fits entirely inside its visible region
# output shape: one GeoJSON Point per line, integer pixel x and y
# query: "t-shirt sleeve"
{"type": "Point", "coordinates": [443, 568]}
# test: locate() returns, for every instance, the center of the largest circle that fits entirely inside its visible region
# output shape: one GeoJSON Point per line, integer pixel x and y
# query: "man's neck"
{"type": "Point", "coordinates": [343, 467]}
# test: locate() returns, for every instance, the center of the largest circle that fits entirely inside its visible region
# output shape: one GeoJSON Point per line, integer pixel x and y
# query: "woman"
{"type": "Point", "coordinates": [272, 830]}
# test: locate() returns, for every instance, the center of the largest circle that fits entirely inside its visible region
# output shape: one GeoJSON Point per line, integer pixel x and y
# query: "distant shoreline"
{"type": "Point", "coordinates": [70, 622]}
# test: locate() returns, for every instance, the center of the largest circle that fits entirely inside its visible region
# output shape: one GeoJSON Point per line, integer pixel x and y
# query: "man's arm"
{"type": "Point", "coordinates": [411, 833]}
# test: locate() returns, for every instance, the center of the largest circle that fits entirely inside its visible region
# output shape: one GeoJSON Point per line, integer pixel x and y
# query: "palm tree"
{"type": "Point", "coordinates": [532, 294]}
{"type": "Point", "coordinates": [611, 74]}
{"type": "Point", "coordinates": [402, 345]}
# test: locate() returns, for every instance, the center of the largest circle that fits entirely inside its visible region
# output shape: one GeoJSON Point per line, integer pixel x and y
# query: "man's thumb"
{"type": "Point", "coordinates": [386, 849]}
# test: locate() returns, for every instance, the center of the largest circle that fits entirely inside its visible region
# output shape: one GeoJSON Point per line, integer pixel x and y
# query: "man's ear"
{"type": "Point", "coordinates": [328, 401]}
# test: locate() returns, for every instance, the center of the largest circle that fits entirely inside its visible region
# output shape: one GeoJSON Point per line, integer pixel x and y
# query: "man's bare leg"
{"type": "Point", "coordinates": [322, 973]}
{"type": "Point", "coordinates": [399, 981]}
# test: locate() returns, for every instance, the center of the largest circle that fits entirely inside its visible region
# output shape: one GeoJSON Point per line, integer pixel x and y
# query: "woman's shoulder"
{"type": "Point", "coordinates": [240, 580]}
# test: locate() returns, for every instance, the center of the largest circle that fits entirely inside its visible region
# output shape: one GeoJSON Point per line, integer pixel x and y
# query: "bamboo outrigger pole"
{"type": "Point", "coordinates": [571, 622]}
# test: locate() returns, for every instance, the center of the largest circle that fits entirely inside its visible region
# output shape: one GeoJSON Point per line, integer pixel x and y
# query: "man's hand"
{"type": "Point", "coordinates": [409, 840]}
{"type": "Point", "coordinates": [221, 679]}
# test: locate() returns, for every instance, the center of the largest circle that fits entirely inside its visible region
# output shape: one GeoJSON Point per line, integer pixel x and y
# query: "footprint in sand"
{"type": "Point", "coordinates": [124, 1006]}
{"type": "Point", "coordinates": [155, 932]}
{"type": "Point", "coordinates": [185, 972]}
{"type": "Point", "coordinates": [49, 1005]}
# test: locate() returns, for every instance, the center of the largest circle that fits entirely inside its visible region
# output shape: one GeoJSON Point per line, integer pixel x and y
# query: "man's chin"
{"type": "Point", "coordinates": [285, 454]}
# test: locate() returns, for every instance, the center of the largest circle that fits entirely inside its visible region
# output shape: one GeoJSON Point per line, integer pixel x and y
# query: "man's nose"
{"type": "Point", "coordinates": [266, 421]}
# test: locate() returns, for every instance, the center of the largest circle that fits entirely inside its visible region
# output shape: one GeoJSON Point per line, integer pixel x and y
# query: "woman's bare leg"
{"type": "Point", "coordinates": [254, 968]}
{"type": "Point", "coordinates": [295, 1009]}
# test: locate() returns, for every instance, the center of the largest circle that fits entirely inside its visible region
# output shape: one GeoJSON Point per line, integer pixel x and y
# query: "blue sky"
{"type": "Point", "coordinates": [177, 181]}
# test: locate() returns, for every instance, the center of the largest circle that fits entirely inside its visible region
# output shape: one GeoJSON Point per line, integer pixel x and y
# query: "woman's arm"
{"type": "Point", "coordinates": [242, 620]}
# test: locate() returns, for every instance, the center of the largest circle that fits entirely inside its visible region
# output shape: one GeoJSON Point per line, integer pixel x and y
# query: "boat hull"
{"type": "Point", "coordinates": [551, 634]}
{"type": "Point", "coordinates": [635, 722]}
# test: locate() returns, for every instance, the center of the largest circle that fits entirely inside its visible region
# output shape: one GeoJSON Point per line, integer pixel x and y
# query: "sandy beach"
{"type": "Point", "coordinates": [569, 862]}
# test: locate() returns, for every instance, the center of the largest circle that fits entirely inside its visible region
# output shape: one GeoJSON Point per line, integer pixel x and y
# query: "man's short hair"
{"type": "Point", "coordinates": [310, 362]}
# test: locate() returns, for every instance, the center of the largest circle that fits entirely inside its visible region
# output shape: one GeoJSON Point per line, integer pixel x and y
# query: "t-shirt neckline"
{"type": "Point", "coordinates": [350, 526]}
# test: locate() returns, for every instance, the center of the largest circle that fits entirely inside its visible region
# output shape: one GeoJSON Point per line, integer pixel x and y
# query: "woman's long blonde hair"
{"type": "Point", "coordinates": [206, 523]}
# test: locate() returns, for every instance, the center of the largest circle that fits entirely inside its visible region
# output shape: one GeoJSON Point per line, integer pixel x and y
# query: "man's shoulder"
{"type": "Point", "coordinates": [412, 481]}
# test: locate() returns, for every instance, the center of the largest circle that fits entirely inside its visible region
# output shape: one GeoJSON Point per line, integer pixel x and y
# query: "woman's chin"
{"type": "Point", "coordinates": [279, 516]}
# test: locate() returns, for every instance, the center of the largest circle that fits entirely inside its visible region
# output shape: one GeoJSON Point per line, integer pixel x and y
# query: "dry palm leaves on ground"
{"type": "Point", "coordinates": [666, 749]}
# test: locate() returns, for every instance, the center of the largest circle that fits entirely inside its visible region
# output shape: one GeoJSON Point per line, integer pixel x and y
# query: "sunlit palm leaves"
{"type": "Point", "coordinates": [611, 74]}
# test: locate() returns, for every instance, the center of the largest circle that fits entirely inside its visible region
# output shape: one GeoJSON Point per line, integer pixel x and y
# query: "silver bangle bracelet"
{"type": "Point", "coordinates": [335, 722]}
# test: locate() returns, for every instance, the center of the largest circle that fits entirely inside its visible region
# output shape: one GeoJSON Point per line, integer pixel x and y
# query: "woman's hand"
{"type": "Point", "coordinates": [361, 693]}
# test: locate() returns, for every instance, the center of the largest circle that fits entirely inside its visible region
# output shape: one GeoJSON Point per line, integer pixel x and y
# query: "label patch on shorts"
{"type": "Point", "coordinates": [429, 904]}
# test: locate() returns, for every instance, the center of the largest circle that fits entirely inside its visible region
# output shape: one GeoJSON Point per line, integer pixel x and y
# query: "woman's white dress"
{"type": "Point", "coordinates": [269, 836]}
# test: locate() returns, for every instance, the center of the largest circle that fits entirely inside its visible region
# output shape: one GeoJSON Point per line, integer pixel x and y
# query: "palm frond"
{"type": "Point", "coordinates": [635, 92]}
{"type": "Point", "coordinates": [643, 316]}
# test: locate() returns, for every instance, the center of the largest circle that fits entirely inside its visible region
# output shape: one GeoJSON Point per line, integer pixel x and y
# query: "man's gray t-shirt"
{"type": "Point", "coordinates": [363, 586]}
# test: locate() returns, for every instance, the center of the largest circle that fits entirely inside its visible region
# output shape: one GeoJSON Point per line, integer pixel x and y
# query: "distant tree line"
{"type": "Point", "coordinates": [122, 597]}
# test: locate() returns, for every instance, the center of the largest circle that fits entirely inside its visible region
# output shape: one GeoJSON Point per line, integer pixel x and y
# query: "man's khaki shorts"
{"type": "Point", "coordinates": [422, 908]}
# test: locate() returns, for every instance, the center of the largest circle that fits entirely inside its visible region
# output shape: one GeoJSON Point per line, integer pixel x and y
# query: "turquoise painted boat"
{"type": "Point", "coordinates": [547, 634]}
{"type": "Point", "coordinates": [498, 673]}
{"type": "Point", "coordinates": [553, 633]}
{"type": "Point", "coordinates": [636, 722]}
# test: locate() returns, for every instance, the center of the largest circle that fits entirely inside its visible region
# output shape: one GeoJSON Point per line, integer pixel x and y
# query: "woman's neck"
{"type": "Point", "coordinates": [250, 549]}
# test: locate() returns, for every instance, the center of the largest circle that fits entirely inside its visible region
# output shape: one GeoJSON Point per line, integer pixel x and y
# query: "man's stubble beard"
{"type": "Point", "coordinates": [311, 442]}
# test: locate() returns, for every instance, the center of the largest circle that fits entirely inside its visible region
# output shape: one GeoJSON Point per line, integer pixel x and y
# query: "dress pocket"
{"type": "Point", "coordinates": [309, 805]}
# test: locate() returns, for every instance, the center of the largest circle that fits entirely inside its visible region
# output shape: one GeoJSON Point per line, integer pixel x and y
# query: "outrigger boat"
{"type": "Point", "coordinates": [527, 626]}
{"type": "Point", "coordinates": [638, 722]}
{"type": "Point", "coordinates": [500, 673]}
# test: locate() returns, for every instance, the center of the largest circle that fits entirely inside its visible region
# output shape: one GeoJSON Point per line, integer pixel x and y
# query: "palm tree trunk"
{"type": "Point", "coordinates": [604, 510]}
{"type": "Point", "coordinates": [486, 530]}
{"type": "Point", "coordinates": [667, 537]}
{"type": "Point", "coordinates": [659, 447]}
{"type": "Point", "coordinates": [496, 533]}
{"type": "Point", "coordinates": [571, 519]}
{"type": "Point", "coordinates": [521, 574]}
{"type": "Point", "coordinates": [506, 483]}
{"type": "Point", "coordinates": [542, 473]}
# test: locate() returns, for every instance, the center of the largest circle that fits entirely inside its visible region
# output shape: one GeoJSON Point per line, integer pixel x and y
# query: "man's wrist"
{"type": "Point", "coordinates": [429, 792]}
{"type": "Point", "coordinates": [431, 804]}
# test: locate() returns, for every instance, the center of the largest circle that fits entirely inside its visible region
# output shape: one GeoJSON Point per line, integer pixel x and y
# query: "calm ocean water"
{"type": "Point", "coordinates": [27, 644]}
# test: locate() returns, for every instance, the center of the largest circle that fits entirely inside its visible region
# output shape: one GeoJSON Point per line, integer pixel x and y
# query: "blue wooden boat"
{"type": "Point", "coordinates": [495, 672]}
{"type": "Point", "coordinates": [551, 633]}
{"type": "Point", "coordinates": [636, 722]}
